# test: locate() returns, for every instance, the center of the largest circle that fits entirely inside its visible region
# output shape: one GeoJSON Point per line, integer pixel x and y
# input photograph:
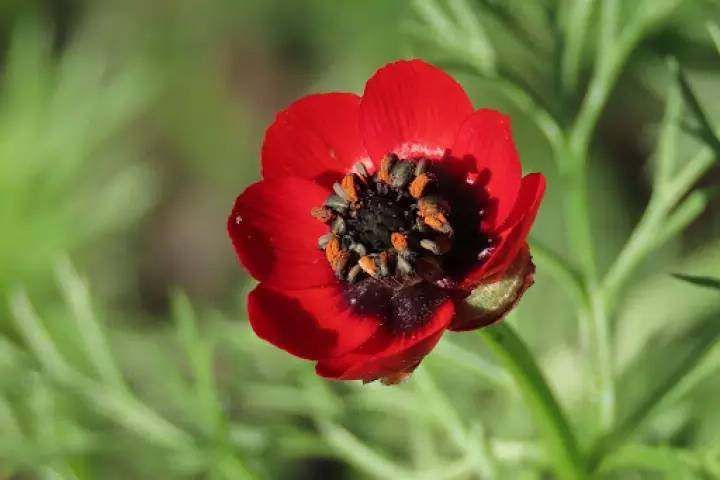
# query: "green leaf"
{"type": "Point", "coordinates": [714, 30]}
{"type": "Point", "coordinates": [97, 348]}
{"type": "Point", "coordinates": [200, 356]}
{"type": "Point", "coordinates": [519, 361]}
{"type": "Point", "coordinates": [700, 281]}
{"type": "Point", "coordinates": [702, 360]}
{"type": "Point", "coordinates": [672, 461]}
{"type": "Point", "coordinates": [357, 453]}
{"type": "Point", "coordinates": [708, 130]}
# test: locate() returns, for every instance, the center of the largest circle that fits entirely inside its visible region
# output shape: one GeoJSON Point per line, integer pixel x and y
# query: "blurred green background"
{"type": "Point", "coordinates": [127, 128]}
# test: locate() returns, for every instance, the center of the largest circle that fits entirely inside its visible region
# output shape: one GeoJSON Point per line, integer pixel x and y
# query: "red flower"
{"type": "Point", "coordinates": [375, 219]}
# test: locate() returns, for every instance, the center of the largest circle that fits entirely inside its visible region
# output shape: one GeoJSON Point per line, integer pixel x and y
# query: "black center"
{"type": "Point", "coordinates": [381, 214]}
{"type": "Point", "coordinates": [435, 218]}
{"type": "Point", "coordinates": [402, 309]}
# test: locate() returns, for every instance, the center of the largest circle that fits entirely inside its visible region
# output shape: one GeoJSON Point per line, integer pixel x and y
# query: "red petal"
{"type": "Point", "coordinates": [275, 237]}
{"type": "Point", "coordinates": [387, 354]}
{"type": "Point", "coordinates": [317, 137]}
{"type": "Point", "coordinates": [314, 323]}
{"type": "Point", "coordinates": [513, 233]}
{"type": "Point", "coordinates": [413, 109]}
{"type": "Point", "coordinates": [485, 141]}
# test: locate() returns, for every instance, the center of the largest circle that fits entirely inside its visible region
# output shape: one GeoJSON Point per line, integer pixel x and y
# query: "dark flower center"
{"type": "Point", "coordinates": [400, 238]}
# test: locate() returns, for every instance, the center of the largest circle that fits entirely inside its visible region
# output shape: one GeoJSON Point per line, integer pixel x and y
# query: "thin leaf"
{"type": "Point", "coordinates": [671, 461]}
{"type": "Point", "coordinates": [667, 143]}
{"type": "Point", "coordinates": [36, 336]}
{"type": "Point", "coordinates": [491, 373]}
{"type": "Point", "coordinates": [91, 332]}
{"type": "Point", "coordinates": [576, 27]}
{"type": "Point", "coordinates": [447, 417]}
{"type": "Point", "coordinates": [355, 452]}
{"type": "Point", "coordinates": [700, 281]}
{"type": "Point", "coordinates": [714, 30]}
{"type": "Point", "coordinates": [200, 355]}
{"type": "Point", "coordinates": [709, 132]}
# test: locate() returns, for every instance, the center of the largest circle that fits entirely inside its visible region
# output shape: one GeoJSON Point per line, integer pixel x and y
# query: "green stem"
{"type": "Point", "coordinates": [576, 28]}
{"type": "Point", "coordinates": [644, 237]}
{"type": "Point", "coordinates": [518, 360]}
{"type": "Point", "coordinates": [594, 325]}
{"type": "Point", "coordinates": [577, 215]}
{"type": "Point", "coordinates": [604, 359]}
{"type": "Point", "coordinates": [573, 159]}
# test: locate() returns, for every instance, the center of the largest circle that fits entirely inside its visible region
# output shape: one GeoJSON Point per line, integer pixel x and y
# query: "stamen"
{"type": "Point", "coordinates": [336, 202]}
{"type": "Point", "coordinates": [353, 273]}
{"type": "Point", "coordinates": [337, 257]}
{"type": "Point", "coordinates": [338, 189]}
{"type": "Point", "coordinates": [358, 248]}
{"type": "Point", "coordinates": [399, 241]}
{"type": "Point", "coordinates": [400, 174]}
{"type": "Point", "coordinates": [431, 210]}
{"type": "Point", "coordinates": [325, 239]}
{"type": "Point", "coordinates": [403, 266]}
{"type": "Point", "coordinates": [383, 263]}
{"type": "Point", "coordinates": [429, 205]}
{"type": "Point", "coordinates": [338, 226]}
{"type": "Point", "coordinates": [323, 214]}
{"type": "Point", "coordinates": [361, 170]}
{"type": "Point", "coordinates": [421, 167]}
{"type": "Point", "coordinates": [386, 165]}
{"type": "Point", "coordinates": [342, 261]}
{"type": "Point", "coordinates": [348, 186]}
{"type": "Point", "coordinates": [417, 187]}
{"type": "Point", "coordinates": [367, 263]}
{"type": "Point", "coordinates": [438, 222]}
{"type": "Point", "coordinates": [440, 246]}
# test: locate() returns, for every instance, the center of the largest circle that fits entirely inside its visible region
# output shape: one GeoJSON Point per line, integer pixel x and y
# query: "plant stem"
{"type": "Point", "coordinates": [516, 357]}
{"type": "Point", "coordinates": [576, 28]}
{"type": "Point", "coordinates": [594, 325]}
{"type": "Point", "coordinates": [645, 235]}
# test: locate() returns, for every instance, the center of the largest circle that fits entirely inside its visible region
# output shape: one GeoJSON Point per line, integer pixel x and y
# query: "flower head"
{"type": "Point", "coordinates": [376, 218]}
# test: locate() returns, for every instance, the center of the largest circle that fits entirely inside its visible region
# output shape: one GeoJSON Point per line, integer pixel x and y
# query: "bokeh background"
{"type": "Point", "coordinates": [128, 127]}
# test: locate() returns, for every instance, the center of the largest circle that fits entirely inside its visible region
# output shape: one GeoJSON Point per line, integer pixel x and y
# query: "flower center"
{"type": "Point", "coordinates": [393, 241]}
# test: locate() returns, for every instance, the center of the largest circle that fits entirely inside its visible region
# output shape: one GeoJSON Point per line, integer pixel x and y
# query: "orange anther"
{"type": "Point", "coordinates": [333, 251]}
{"type": "Point", "coordinates": [385, 166]}
{"type": "Point", "coordinates": [399, 241]}
{"type": "Point", "coordinates": [438, 222]}
{"type": "Point", "coordinates": [417, 187]}
{"type": "Point", "coordinates": [367, 263]}
{"type": "Point", "coordinates": [427, 206]}
{"type": "Point", "coordinates": [348, 186]}
{"type": "Point", "coordinates": [322, 213]}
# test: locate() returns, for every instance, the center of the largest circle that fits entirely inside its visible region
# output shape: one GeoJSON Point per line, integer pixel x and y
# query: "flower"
{"type": "Point", "coordinates": [377, 217]}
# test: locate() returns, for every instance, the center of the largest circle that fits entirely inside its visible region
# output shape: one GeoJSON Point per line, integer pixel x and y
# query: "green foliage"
{"type": "Point", "coordinates": [608, 368]}
{"type": "Point", "coordinates": [699, 280]}
{"type": "Point", "coordinates": [65, 180]}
